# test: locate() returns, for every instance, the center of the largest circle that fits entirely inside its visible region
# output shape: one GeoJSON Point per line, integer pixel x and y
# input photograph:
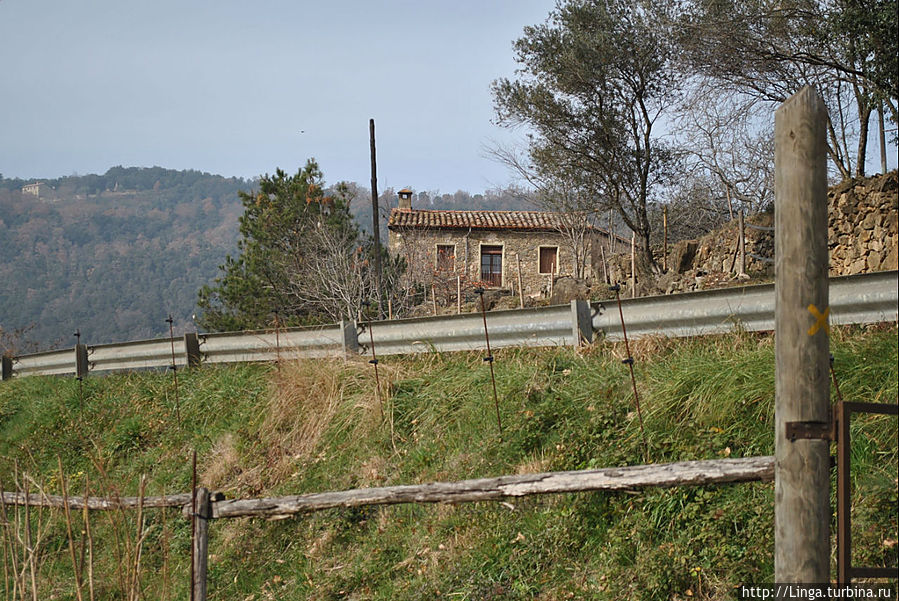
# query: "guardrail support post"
{"type": "Point", "coordinates": [81, 364]}
{"type": "Point", "coordinates": [350, 338]}
{"type": "Point", "coordinates": [192, 346]}
{"type": "Point", "coordinates": [581, 323]}
{"type": "Point", "coordinates": [6, 372]}
{"type": "Point", "coordinates": [802, 349]}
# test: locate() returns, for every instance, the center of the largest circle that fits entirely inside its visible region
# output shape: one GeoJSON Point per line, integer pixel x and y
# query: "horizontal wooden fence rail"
{"type": "Point", "coordinates": [864, 298]}
{"type": "Point", "coordinates": [687, 473]}
{"type": "Point", "coordinates": [95, 503]}
{"type": "Point", "coordinates": [661, 475]}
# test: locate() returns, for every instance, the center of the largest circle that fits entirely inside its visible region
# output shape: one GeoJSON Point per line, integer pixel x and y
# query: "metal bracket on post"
{"type": "Point", "coordinates": [810, 431]}
{"type": "Point", "coordinates": [813, 430]}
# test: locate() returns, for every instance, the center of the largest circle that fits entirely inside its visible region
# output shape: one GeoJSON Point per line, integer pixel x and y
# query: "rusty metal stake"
{"type": "Point", "coordinates": [836, 384]}
{"type": "Point", "coordinates": [840, 425]}
{"type": "Point", "coordinates": [844, 503]}
{"type": "Point", "coordinates": [278, 341]}
{"type": "Point", "coordinates": [174, 368]}
{"type": "Point", "coordinates": [78, 375]}
{"type": "Point", "coordinates": [489, 359]}
{"type": "Point", "coordinates": [630, 363]}
{"type": "Point", "coordinates": [374, 362]}
{"type": "Point", "coordinates": [193, 520]}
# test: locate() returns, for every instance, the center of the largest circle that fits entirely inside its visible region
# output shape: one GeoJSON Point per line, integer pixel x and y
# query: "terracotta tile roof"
{"type": "Point", "coordinates": [478, 220]}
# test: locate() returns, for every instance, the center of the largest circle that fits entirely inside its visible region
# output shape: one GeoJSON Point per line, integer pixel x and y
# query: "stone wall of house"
{"type": "Point", "coordinates": [862, 228]}
{"type": "Point", "coordinates": [419, 248]}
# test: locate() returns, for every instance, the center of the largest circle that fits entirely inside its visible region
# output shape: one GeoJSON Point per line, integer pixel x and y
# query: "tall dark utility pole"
{"type": "Point", "coordinates": [375, 218]}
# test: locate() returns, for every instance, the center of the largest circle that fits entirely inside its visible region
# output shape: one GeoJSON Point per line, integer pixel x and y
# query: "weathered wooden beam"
{"type": "Point", "coordinates": [687, 473]}
{"type": "Point", "coordinates": [801, 342]}
{"type": "Point", "coordinates": [98, 503]}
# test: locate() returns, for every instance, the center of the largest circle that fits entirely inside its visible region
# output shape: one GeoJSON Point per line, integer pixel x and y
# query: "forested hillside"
{"type": "Point", "coordinates": [112, 255]}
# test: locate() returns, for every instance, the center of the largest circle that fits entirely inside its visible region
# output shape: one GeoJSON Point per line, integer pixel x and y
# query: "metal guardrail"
{"type": "Point", "coordinates": [864, 298]}
{"type": "Point", "coordinates": [543, 326]}
{"type": "Point", "coordinates": [48, 363]}
{"type": "Point", "coordinates": [233, 347]}
{"type": "Point", "coordinates": [137, 354]}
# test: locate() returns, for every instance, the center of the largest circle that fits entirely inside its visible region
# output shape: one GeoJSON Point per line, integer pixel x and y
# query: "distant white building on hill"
{"type": "Point", "coordinates": [36, 189]}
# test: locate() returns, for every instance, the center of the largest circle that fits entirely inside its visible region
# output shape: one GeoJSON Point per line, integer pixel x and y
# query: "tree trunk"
{"type": "Point", "coordinates": [645, 261]}
{"type": "Point", "coordinates": [864, 118]}
{"type": "Point", "coordinates": [833, 150]}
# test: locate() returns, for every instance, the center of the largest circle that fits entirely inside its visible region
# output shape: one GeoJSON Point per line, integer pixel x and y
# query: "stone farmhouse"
{"type": "Point", "coordinates": [491, 248]}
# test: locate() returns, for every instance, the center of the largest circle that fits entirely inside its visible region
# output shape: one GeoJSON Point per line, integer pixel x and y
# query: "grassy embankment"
{"type": "Point", "coordinates": [316, 425]}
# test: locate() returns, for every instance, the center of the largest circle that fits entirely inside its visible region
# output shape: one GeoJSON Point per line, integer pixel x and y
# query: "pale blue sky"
{"type": "Point", "coordinates": [227, 87]}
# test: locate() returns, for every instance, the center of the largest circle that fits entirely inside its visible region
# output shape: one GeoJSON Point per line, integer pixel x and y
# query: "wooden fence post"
{"type": "Point", "coordinates": [6, 372]}
{"type": "Point", "coordinates": [520, 288]}
{"type": "Point", "coordinates": [802, 388]}
{"type": "Point", "coordinates": [633, 265]}
{"type": "Point", "coordinates": [742, 243]}
{"type": "Point", "coordinates": [665, 239]}
{"type": "Point", "coordinates": [201, 544]}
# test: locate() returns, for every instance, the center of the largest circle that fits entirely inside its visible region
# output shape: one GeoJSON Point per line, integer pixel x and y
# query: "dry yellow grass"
{"type": "Point", "coordinates": [306, 398]}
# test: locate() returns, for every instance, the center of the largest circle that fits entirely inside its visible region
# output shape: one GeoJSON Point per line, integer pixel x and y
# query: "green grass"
{"type": "Point", "coordinates": [316, 425]}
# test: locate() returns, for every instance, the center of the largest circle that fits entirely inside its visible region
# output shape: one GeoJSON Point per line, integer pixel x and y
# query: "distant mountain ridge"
{"type": "Point", "coordinates": [120, 178]}
{"type": "Point", "coordinates": [112, 255]}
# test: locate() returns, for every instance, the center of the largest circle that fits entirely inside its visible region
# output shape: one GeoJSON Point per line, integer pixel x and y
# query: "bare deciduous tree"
{"type": "Point", "coordinates": [333, 278]}
{"type": "Point", "coordinates": [696, 206]}
{"type": "Point", "coordinates": [847, 50]}
{"type": "Point", "coordinates": [728, 143]}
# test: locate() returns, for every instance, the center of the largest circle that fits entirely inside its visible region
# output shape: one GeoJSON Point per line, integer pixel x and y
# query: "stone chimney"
{"type": "Point", "coordinates": [405, 203]}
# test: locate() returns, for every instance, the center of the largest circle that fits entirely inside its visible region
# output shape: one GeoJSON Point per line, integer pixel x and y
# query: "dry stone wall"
{"type": "Point", "coordinates": [862, 229]}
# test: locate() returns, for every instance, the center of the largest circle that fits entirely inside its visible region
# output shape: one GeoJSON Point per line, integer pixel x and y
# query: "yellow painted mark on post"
{"type": "Point", "coordinates": [820, 320]}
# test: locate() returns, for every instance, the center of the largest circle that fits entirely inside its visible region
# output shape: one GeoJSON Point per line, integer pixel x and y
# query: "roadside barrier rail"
{"type": "Point", "coordinates": [855, 299]}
